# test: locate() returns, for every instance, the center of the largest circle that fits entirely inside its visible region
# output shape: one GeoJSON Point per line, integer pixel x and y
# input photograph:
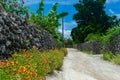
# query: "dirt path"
{"type": "Point", "coordinates": [80, 66]}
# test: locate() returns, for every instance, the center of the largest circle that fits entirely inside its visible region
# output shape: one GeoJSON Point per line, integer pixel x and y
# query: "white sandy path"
{"type": "Point", "coordinates": [81, 66]}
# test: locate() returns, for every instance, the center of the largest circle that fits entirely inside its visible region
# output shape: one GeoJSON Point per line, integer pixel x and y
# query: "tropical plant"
{"type": "Point", "coordinates": [49, 22]}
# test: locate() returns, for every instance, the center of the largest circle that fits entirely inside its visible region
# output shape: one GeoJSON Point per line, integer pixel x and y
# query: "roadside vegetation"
{"type": "Point", "coordinates": [112, 58]}
{"type": "Point", "coordinates": [50, 21]}
{"type": "Point", "coordinates": [34, 64]}
{"type": "Point", "coordinates": [95, 24]}
{"type": "Point", "coordinates": [31, 64]}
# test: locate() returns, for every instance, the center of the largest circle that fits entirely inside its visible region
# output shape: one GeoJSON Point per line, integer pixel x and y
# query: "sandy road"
{"type": "Point", "coordinates": [81, 66]}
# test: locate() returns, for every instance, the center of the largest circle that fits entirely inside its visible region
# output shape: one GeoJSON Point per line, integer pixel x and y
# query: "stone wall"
{"type": "Point", "coordinates": [17, 33]}
{"type": "Point", "coordinates": [113, 45]}
{"type": "Point", "coordinates": [90, 46]}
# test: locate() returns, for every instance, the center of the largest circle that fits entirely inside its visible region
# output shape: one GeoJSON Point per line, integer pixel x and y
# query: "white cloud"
{"type": "Point", "coordinates": [118, 15]}
{"type": "Point", "coordinates": [112, 1]}
{"type": "Point", "coordinates": [70, 25]}
{"type": "Point", "coordinates": [111, 11]}
{"type": "Point", "coordinates": [67, 28]}
{"type": "Point", "coordinates": [66, 33]}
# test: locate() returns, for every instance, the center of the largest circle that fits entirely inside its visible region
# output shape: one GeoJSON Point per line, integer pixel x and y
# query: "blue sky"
{"type": "Point", "coordinates": [112, 8]}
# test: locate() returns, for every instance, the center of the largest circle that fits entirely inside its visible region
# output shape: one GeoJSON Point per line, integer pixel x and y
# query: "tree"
{"type": "Point", "coordinates": [14, 6]}
{"type": "Point", "coordinates": [90, 18]}
{"type": "Point", "coordinates": [49, 22]}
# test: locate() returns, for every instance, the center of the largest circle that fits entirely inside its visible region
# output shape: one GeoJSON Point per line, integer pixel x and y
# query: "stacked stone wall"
{"type": "Point", "coordinates": [17, 33]}
{"type": "Point", "coordinates": [93, 46]}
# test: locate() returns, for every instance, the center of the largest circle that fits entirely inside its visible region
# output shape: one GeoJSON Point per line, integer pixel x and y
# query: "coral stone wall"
{"type": "Point", "coordinates": [90, 46]}
{"type": "Point", "coordinates": [17, 33]}
{"type": "Point", "coordinates": [113, 45]}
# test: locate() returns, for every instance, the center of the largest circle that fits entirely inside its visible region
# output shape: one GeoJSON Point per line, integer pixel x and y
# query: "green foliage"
{"type": "Point", "coordinates": [64, 50]}
{"type": "Point", "coordinates": [77, 35]}
{"type": "Point", "coordinates": [69, 42]}
{"type": "Point", "coordinates": [91, 18]}
{"type": "Point", "coordinates": [92, 36]}
{"type": "Point", "coordinates": [31, 64]}
{"type": "Point", "coordinates": [41, 9]}
{"type": "Point", "coordinates": [110, 35]}
{"type": "Point", "coordinates": [116, 59]}
{"type": "Point", "coordinates": [111, 57]}
{"type": "Point", "coordinates": [56, 59]}
{"type": "Point", "coordinates": [107, 56]}
{"type": "Point", "coordinates": [14, 6]}
{"type": "Point", "coordinates": [49, 22]}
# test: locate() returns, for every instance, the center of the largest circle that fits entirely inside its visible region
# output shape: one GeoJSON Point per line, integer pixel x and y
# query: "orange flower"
{"type": "Point", "coordinates": [5, 61]}
{"type": "Point", "coordinates": [11, 63]}
{"type": "Point", "coordinates": [28, 73]}
{"type": "Point", "coordinates": [15, 71]}
{"type": "Point", "coordinates": [22, 69]}
{"type": "Point", "coordinates": [19, 71]}
{"type": "Point", "coordinates": [27, 79]}
{"type": "Point", "coordinates": [1, 63]}
{"type": "Point", "coordinates": [34, 74]}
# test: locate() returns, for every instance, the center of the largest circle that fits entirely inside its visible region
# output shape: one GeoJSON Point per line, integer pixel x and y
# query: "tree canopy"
{"type": "Point", "coordinates": [91, 18]}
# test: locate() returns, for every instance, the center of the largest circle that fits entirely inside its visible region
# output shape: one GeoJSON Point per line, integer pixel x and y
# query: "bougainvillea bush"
{"type": "Point", "coordinates": [31, 64]}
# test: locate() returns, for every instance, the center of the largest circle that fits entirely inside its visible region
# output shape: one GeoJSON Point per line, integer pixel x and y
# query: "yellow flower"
{"type": "Point", "coordinates": [16, 63]}
{"type": "Point", "coordinates": [22, 69]}
{"type": "Point", "coordinates": [11, 63]}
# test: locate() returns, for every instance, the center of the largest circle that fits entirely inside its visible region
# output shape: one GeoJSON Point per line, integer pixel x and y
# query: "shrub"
{"type": "Point", "coordinates": [107, 56]}
{"type": "Point", "coordinates": [92, 36]}
{"type": "Point", "coordinates": [111, 57]}
{"type": "Point", "coordinates": [116, 59]}
{"type": "Point", "coordinates": [64, 50]}
{"type": "Point", "coordinates": [56, 59]}
{"type": "Point", "coordinates": [30, 64]}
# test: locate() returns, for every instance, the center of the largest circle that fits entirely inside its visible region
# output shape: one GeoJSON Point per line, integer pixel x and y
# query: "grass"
{"type": "Point", "coordinates": [116, 59]}
{"type": "Point", "coordinates": [111, 57]}
{"type": "Point", "coordinates": [107, 56]}
{"type": "Point", "coordinates": [31, 64]}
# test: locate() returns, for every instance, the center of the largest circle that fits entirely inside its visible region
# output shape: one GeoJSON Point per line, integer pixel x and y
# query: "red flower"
{"type": "Point", "coordinates": [27, 79]}
{"type": "Point", "coordinates": [27, 15]}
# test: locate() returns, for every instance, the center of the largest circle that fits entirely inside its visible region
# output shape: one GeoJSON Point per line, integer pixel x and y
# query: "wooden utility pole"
{"type": "Point", "coordinates": [63, 31]}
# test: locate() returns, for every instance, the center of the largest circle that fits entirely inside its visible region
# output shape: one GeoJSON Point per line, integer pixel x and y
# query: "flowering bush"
{"type": "Point", "coordinates": [56, 59]}
{"type": "Point", "coordinates": [30, 64]}
{"type": "Point", "coordinates": [64, 50]}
